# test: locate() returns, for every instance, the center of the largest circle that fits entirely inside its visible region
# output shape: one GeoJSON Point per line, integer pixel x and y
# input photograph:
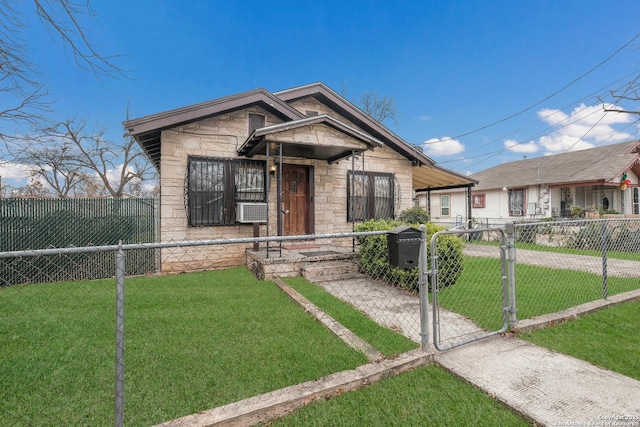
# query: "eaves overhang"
{"type": "Point", "coordinates": [311, 147]}
{"type": "Point", "coordinates": [147, 130]}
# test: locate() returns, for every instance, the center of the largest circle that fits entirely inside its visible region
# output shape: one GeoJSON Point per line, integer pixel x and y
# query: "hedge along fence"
{"type": "Point", "coordinates": [374, 261]}
{"type": "Point", "coordinates": [61, 223]}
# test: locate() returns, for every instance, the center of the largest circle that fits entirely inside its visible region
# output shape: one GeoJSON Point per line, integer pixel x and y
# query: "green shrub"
{"type": "Point", "coordinates": [415, 215]}
{"type": "Point", "coordinates": [374, 259]}
{"type": "Point", "coordinates": [577, 212]}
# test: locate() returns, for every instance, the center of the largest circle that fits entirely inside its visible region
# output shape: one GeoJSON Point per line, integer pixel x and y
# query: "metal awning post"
{"type": "Point", "coordinates": [469, 219]}
{"type": "Point", "coordinates": [280, 209]}
{"type": "Point", "coordinates": [268, 192]}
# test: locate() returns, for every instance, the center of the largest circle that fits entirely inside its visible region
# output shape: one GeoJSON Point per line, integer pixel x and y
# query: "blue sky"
{"type": "Point", "coordinates": [451, 66]}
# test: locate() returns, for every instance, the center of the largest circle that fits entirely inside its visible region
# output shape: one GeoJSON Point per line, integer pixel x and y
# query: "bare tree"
{"type": "Point", "coordinates": [24, 97]}
{"type": "Point", "coordinates": [380, 108]}
{"type": "Point", "coordinates": [35, 189]}
{"type": "Point", "coordinates": [52, 164]}
{"type": "Point", "coordinates": [112, 169]}
{"type": "Point", "coordinates": [628, 94]}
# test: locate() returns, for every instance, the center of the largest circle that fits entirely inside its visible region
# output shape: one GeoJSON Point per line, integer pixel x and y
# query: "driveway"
{"type": "Point", "coordinates": [589, 264]}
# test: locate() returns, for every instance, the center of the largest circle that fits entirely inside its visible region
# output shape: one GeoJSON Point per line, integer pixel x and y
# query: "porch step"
{"type": "Point", "coordinates": [329, 270]}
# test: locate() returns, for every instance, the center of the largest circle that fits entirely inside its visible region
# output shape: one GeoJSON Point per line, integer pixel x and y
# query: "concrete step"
{"type": "Point", "coordinates": [329, 270]}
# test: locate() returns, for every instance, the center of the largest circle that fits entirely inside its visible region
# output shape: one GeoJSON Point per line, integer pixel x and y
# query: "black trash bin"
{"type": "Point", "coordinates": [404, 247]}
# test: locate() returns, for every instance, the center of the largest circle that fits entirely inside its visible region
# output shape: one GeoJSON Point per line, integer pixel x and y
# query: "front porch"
{"type": "Point", "coordinates": [302, 259]}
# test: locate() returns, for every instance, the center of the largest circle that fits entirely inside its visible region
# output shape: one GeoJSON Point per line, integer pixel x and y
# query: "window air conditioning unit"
{"type": "Point", "coordinates": [251, 212]}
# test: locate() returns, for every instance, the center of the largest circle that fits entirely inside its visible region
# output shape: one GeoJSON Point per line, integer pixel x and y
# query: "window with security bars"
{"type": "Point", "coordinates": [636, 201]}
{"type": "Point", "coordinates": [517, 202]}
{"type": "Point", "coordinates": [214, 186]}
{"type": "Point", "coordinates": [370, 195]}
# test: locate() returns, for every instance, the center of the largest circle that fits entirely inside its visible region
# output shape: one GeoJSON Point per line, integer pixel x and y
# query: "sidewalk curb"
{"type": "Point", "coordinates": [276, 404]}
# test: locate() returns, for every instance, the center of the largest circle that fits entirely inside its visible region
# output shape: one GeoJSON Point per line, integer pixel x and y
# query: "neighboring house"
{"type": "Point", "coordinates": [299, 161]}
{"type": "Point", "coordinates": [596, 179]}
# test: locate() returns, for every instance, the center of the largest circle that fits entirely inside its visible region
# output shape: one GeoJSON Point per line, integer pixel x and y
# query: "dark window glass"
{"type": "Point", "coordinates": [214, 186]}
{"type": "Point", "coordinates": [370, 195]}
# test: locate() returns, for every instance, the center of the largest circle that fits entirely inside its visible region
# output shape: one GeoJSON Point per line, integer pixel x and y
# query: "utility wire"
{"type": "Point", "coordinates": [555, 111]}
{"type": "Point", "coordinates": [548, 129]}
{"type": "Point", "coordinates": [544, 99]}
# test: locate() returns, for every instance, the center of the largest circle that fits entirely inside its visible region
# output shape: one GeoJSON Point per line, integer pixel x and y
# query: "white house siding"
{"type": "Point", "coordinates": [548, 202]}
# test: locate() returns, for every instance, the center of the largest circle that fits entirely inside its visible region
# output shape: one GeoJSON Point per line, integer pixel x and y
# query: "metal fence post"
{"type": "Point", "coordinates": [510, 230]}
{"type": "Point", "coordinates": [423, 289]}
{"type": "Point", "coordinates": [119, 388]}
{"type": "Point", "coordinates": [605, 245]}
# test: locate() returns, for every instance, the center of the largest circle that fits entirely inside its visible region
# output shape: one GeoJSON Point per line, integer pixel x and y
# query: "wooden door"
{"type": "Point", "coordinates": [295, 199]}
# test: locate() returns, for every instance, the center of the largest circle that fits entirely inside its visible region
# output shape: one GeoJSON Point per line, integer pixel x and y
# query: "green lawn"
{"type": "Point", "coordinates": [201, 340]}
{"type": "Point", "coordinates": [539, 290]}
{"type": "Point", "coordinates": [428, 396]}
{"type": "Point", "coordinates": [383, 339]}
{"type": "Point", "coordinates": [609, 338]}
{"type": "Point", "coordinates": [193, 342]}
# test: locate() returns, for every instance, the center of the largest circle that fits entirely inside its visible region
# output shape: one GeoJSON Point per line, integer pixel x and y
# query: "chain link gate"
{"type": "Point", "coordinates": [469, 286]}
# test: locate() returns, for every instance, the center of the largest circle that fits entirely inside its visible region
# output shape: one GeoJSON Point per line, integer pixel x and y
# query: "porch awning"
{"type": "Point", "coordinates": [310, 138]}
{"type": "Point", "coordinates": [427, 177]}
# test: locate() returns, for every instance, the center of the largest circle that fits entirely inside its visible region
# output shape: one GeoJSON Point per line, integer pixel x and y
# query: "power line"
{"type": "Point", "coordinates": [544, 99]}
{"type": "Point", "coordinates": [555, 111]}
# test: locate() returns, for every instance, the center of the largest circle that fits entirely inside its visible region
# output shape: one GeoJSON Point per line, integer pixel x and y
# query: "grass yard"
{"type": "Point", "coordinates": [200, 340]}
{"type": "Point", "coordinates": [427, 396]}
{"type": "Point", "coordinates": [539, 290]}
{"type": "Point", "coordinates": [386, 341]}
{"type": "Point", "coordinates": [609, 338]}
{"type": "Point", "coordinates": [193, 342]}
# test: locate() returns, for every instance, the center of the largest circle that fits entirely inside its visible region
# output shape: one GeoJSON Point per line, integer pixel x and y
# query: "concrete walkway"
{"type": "Point", "coordinates": [546, 387]}
{"type": "Point", "coordinates": [589, 264]}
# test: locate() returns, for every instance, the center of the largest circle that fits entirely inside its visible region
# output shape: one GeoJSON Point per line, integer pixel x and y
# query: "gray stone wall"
{"type": "Point", "coordinates": [221, 137]}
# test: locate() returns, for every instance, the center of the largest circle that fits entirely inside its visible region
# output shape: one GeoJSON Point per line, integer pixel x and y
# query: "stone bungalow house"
{"type": "Point", "coordinates": [295, 162]}
{"type": "Point", "coordinates": [601, 178]}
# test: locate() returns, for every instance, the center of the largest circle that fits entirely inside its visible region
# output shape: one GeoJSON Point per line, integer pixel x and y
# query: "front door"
{"type": "Point", "coordinates": [296, 195]}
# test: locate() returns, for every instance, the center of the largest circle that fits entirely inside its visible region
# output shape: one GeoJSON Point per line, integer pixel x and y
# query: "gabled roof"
{"type": "Point", "coordinates": [256, 142]}
{"type": "Point", "coordinates": [358, 117]}
{"type": "Point", "coordinates": [594, 166]}
{"type": "Point", "coordinates": [426, 174]}
{"type": "Point", "coordinates": [147, 130]}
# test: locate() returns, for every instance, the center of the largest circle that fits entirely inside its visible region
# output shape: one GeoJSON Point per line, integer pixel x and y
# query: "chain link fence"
{"type": "Point", "coordinates": [470, 293]}
{"type": "Point", "coordinates": [61, 223]}
{"type": "Point", "coordinates": [474, 278]}
{"type": "Point", "coordinates": [562, 264]}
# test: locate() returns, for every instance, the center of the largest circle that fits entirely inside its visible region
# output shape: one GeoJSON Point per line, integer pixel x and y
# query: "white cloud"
{"type": "Point", "coordinates": [583, 128]}
{"type": "Point", "coordinates": [424, 117]}
{"type": "Point", "coordinates": [14, 171]}
{"type": "Point", "coordinates": [444, 146]}
{"type": "Point", "coordinates": [520, 147]}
